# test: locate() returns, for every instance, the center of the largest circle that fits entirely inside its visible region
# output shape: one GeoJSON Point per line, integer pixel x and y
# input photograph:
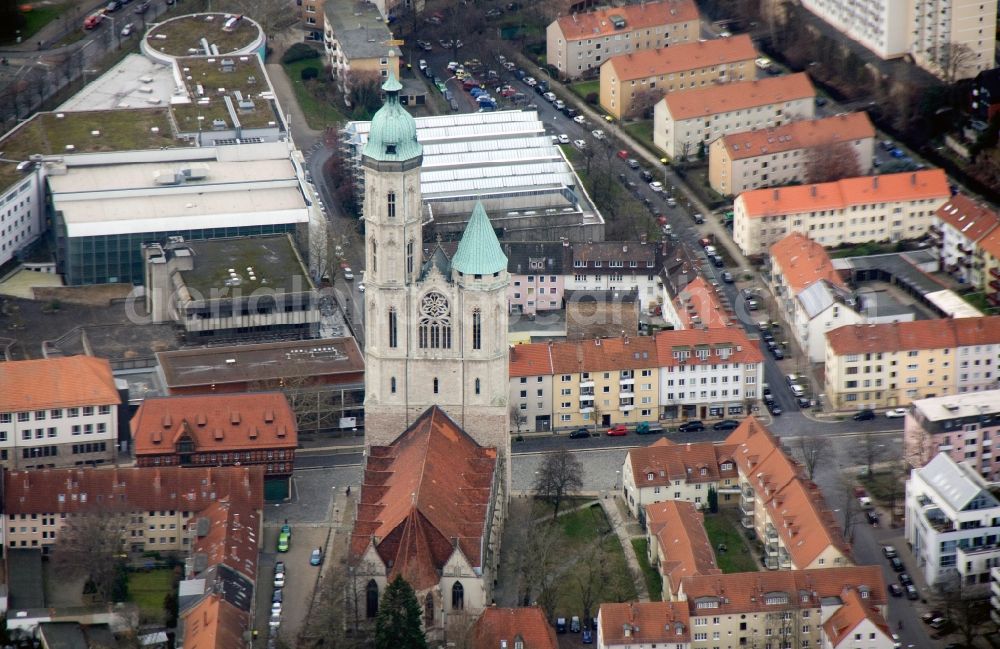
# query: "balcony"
{"type": "Point", "coordinates": [994, 298]}
{"type": "Point", "coordinates": [587, 396]}
{"type": "Point", "coordinates": [626, 407]}
{"type": "Point", "coordinates": [964, 262]}
{"type": "Point", "coordinates": [964, 249]}
{"type": "Point", "coordinates": [627, 382]}
{"type": "Point", "coordinates": [995, 283]}
{"type": "Point", "coordinates": [747, 522]}
{"type": "Point", "coordinates": [746, 508]}
{"type": "Point", "coordinates": [586, 409]}
{"type": "Point", "coordinates": [586, 383]}
{"type": "Point", "coordinates": [995, 272]}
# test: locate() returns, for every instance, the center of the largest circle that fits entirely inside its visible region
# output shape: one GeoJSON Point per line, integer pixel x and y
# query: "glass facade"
{"type": "Point", "coordinates": [118, 258]}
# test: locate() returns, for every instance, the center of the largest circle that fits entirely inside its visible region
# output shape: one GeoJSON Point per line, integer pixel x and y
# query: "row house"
{"type": "Point", "coordinates": [888, 207]}
{"type": "Point", "coordinates": [962, 426]}
{"type": "Point", "coordinates": [157, 505]}
{"type": "Point", "coordinates": [810, 292]}
{"type": "Point", "coordinates": [632, 83]}
{"type": "Point", "coordinates": [58, 412]}
{"type": "Point", "coordinates": [952, 524]}
{"type": "Point", "coordinates": [616, 266]}
{"type": "Point", "coordinates": [956, 232]}
{"type": "Point", "coordinates": [708, 374]}
{"type": "Point", "coordinates": [537, 275]}
{"type": "Point", "coordinates": [891, 365]}
{"type": "Point", "coordinates": [577, 44]}
{"type": "Point", "coordinates": [686, 122]}
{"type": "Point", "coordinates": [217, 430]}
{"type": "Point", "coordinates": [782, 155]}
{"type": "Point", "coordinates": [665, 471]}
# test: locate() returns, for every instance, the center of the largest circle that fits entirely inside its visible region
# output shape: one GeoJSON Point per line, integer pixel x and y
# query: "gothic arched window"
{"type": "Point", "coordinates": [435, 322]}
{"type": "Point", "coordinates": [409, 257]}
{"type": "Point", "coordinates": [390, 204]}
{"type": "Point", "coordinates": [477, 329]}
{"type": "Point", "coordinates": [392, 327]}
{"type": "Point", "coordinates": [428, 610]}
{"type": "Point", "coordinates": [457, 596]}
{"type": "Point", "coordinates": [371, 599]}
{"type": "Point", "coordinates": [478, 386]}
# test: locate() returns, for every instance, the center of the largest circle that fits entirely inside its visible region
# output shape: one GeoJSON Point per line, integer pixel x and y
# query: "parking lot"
{"type": "Point", "coordinates": [300, 580]}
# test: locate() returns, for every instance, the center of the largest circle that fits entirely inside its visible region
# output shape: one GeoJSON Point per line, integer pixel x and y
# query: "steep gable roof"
{"type": "Point", "coordinates": [422, 497]}
{"type": "Point", "coordinates": [527, 624]}
{"type": "Point", "coordinates": [679, 346]}
{"type": "Point", "coordinates": [974, 220]}
{"type": "Point", "coordinates": [645, 622]}
{"type": "Point", "coordinates": [738, 95]}
{"type": "Point", "coordinates": [853, 612]}
{"type": "Point", "coordinates": [682, 56]}
{"type": "Point", "coordinates": [679, 529]}
{"type": "Point", "coordinates": [214, 623]}
{"type": "Point", "coordinates": [669, 462]}
{"type": "Point", "coordinates": [67, 382]}
{"type": "Point", "coordinates": [231, 536]}
{"type": "Point", "coordinates": [605, 354]}
{"type": "Point", "coordinates": [698, 305]}
{"type": "Point", "coordinates": [593, 24]}
{"type": "Point", "coordinates": [803, 262]}
{"type": "Point", "coordinates": [531, 359]}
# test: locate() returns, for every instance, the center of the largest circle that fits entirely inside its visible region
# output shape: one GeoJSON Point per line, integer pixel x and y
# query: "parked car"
{"type": "Point", "coordinates": [726, 424]}
{"type": "Point", "coordinates": [896, 564]}
{"type": "Point", "coordinates": [906, 580]}
{"type": "Point", "coordinates": [911, 592]}
{"type": "Point", "coordinates": [283, 541]}
{"type": "Point", "coordinates": [778, 354]}
{"type": "Point", "coordinates": [773, 408]}
{"type": "Point", "coordinates": [598, 134]}
{"type": "Point", "coordinates": [698, 218]}
{"type": "Point", "coordinates": [278, 595]}
{"type": "Point", "coordinates": [316, 557]}
{"type": "Point", "coordinates": [574, 624]}
{"type": "Point", "coordinates": [563, 138]}
{"type": "Point", "coordinates": [580, 144]}
{"type": "Point", "coordinates": [895, 590]}
{"type": "Point", "coordinates": [804, 402]}
{"type": "Point", "coordinates": [872, 517]}
{"type": "Point", "coordinates": [656, 186]}
{"type": "Point", "coordinates": [580, 119]}
{"type": "Point", "coordinates": [889, 551]}
{"type": "Point", "coordinates": [588, 637]}
{"type": "Point", "coordinates": [693, 426]}
{"type": "Point", "coordinates": [579, 433]}
{"type": "Point", "coordinates": [143, 7]}
{"type": "Point", "coordinates": [727, 277]}
{"type": "Point", "coordinates": [864, 415]}
{"type": "Point", "coordinates": [279, 580]}
{"type": "Point", "coordinates": [618, 431]}
{"type": "Point", "coordinates": [646, 175]}
{"type": "Point", "coordinates": [895, 413]}
{"type": "Point", "coordinates": [560, 625]}
{"type": "Point", "coordinates": [623, 154]}
{"type": "Point", "coordinates": [646, 428]}
{"type": "Point", "coordinates": [632, 163]}
{"type": "Point", "coordinates": [930, 616]}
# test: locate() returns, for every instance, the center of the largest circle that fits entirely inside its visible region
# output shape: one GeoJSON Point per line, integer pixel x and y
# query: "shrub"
{"type": "Point", "coordinates": [592, 98]}
{"type": "Point", "coordinates": [309, 73]}
{"type": "Point", "coordinates": [299, 52]}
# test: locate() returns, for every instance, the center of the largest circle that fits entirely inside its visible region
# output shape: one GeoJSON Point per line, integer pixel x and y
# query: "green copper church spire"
{"type": "Point", "coordinates": [393, 133]}
{"type": "Point", "coordinates": [479, 252]}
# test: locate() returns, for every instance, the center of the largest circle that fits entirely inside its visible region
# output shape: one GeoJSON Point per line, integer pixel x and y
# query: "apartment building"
{"type": "Point", "coordinates": [537, 275]}
{"type": "Point", "coordinates": [578, 43]}
{"type": "Point", "coordinates": [956, 232]}
{"type": "Point", "coordinates": [631, 83]}
{"type": "Point", "coordinates": [665, 471]}
{"type": "Point", "coordinates": [708, 374]}
{"type": "Point", "coordinates": [686, 122]}
{"type": "Point", "coordinates": [893, 364]}
{"type": "Point", "coordinates": [355, 38]}
{"type": "Point", "coordinates": [785, 509]}
{"type": "Point", "coordinates": [782, 155]}
{"type": "Point", "coordinates": [677, 544]}
{"type": "Point", "coordinates": [615, 266]}
{"type": "Point", "coordinates": [160, 504]}
{"type": "Point", "coordinates": [508, 627]}
{"type": "Point", "coordinates": [962, 426]}
{"type": "Point", "coordinates": [930, 30]}
{"type": "Point", "coordinates": [643, 625]}
{"type": "Point", "coordinates": [989, 246]}
{"type": "Point", "coordinates": [311, 19]}
{"type": "Point", "coordinates": [889, 207]}
{"type": "Point", "coordinates": [531, 371]}
{"type": "Point", "coordinates": [58, 412]}
{"type": "Point", "coordinates": [217, 430]}
{"type": "Point", "coordinates": [811, 294]}
{"type": "Point", "coordinates": [831, 608]}
{"type": "Point", "coordinates": [952, 523]}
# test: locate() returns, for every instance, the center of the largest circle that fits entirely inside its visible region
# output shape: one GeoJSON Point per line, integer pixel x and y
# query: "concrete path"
{"type": "Point", "coordinates": [620, 527]}
{"type": "Point", "coordinates": [304, 136]}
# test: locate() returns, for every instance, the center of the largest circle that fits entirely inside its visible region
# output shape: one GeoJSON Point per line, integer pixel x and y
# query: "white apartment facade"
{"type": "Point", "coordinates": [22, 207]}
{"type": "Point", "coordinates": [686, 122]}
{"type": "Point", "coordinates": [57, 412]}
{"type": "Point", "coordinates": [952, 523]}
{"type": "Point", "coordinates": [879, 25]}
{"type": "Point", "coordinates": [959, 225]}
{"type": "Point", "coordinates": [963, 426]}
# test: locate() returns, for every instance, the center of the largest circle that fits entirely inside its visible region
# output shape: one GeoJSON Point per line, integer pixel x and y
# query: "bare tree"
{"type": "Point", "coordinates": [871, 451]}
{"type": "Point", "coordinates": [833, 161]}
{"type": "Point", "coordinates": [92, 545]}
{"type": "Point", "coordinates": [957, 61]}
{"type": "Point", "coordinates": [333, 613]}
{"type": "Point", "coordinates": [536, 578]}
{"type": "Point", "coordinates": [518, 419]}
{"type": "Point", "coordinates": [895, 486]}
{"type": "Point", "coordinates": [591, 575]}
{"type": "Point", "coordinates": [364, 94]}
{"type": "Point", "coordinates": [559, 477]}
{"type": "Point", "coordinates": [967, 607]}
{"type": "Point", "coordinates": [813, 448]}
{"type": "Point", "coordinates": [643, 103]}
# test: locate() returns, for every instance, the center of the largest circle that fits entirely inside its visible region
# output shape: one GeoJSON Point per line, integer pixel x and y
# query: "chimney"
{"type": "Point", "coordinates": [775, 194]}
{"type": "Point", "coordinates": [913, 179]}
{"type": "Point", "coordinates": [875, 182]}
{"type": "Point", "coordinates": [812, 190]}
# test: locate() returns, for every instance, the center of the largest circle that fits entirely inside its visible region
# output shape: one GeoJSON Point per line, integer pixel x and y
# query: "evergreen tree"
{"type": "Point", "coordinates": [397, 625]}
{"type": "Point", "coordinates": [713, 500]}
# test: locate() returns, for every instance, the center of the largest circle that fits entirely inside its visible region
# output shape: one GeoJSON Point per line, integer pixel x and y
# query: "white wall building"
{"type": "Point", "coordinates": [22, 207]}
{"type": "Point", "coordinates": [952, 523]}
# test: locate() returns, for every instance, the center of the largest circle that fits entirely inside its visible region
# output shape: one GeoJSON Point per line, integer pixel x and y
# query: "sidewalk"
{"type": "Point", "coordinates": [303, 136]}
{"type": "Point", "coordinates": [608, 503]}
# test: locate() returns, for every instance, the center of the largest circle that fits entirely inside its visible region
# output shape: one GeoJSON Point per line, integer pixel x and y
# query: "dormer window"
{"type": "Point", "coordinates": [390, 149]}
{"type": "Point", "coordinates": [704, 471]}
{"type": "Point", "coordinates": [649, 476]}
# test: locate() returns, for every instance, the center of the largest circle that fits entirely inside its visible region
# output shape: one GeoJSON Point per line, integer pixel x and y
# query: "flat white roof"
{"type": "Point", "coordinates": [952, 304]}
{"type": "Point", "coordinates": [135, 82]}
{"type": "Point", "coordinates": [959, 406]}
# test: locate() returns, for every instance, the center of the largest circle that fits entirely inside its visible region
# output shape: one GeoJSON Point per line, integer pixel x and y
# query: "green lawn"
{"type": "Point", "coordinates": [978, 300]}
{"type": "Point", "coordinates": [35, 19]}
{"type": "Point", "coordinates": [584, 88]}
{"type": "Point", "coordinates": [724, 528]}
{"type": "Point", "coordinates": [654, 581]}
{"type": "Point", "coordinates": [863, 249]}
{"type": "Point", "coordinates": [147, 589]}
{"type": "Point", "coordinates": [642, 131]}
{"type": "Point", "coordinates": [312, 95]}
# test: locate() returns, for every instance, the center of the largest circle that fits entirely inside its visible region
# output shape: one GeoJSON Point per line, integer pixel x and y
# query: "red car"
{"type": "Point", "coordinates": [623, 154]}
{"type": "Point", "coordinates": [618, 431]}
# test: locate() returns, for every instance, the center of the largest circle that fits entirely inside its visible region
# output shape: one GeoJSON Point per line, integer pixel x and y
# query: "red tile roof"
{"type": "Point", "coordinates": [607, 354]}
{"type": "Point", "coordinates": [803, 262]}
{"type": "Point", "coordinates": [990, 244]}
{"type": "Point", "coordinates": [853, 612]}
{"type": "Point", "coordinates": [645, 622]}
{"type": "Point", "coordinates": [698, 305]}
{"type": "Point", "coordinates": [261, 420]}
{"type": "Point", "coordinates": [743, 592]}
{"type": "Point", "coordinates": [944, 333]}
{"type": "Point", "coordinates": [531, 360]}
{"type": "Point", "coordinates": [641, 16]}
{"type": "Point", "coordinates": [682, 56]}
{"type": "Point", "coordinates": [732, 339]}
{"type": "Point", "coordinates": [886, 188]}
{"type": "Point", "coordinates": [679, 529]}
{"type": "Point", "coordinates": [232, 535]}
{"type": "Point", "coordinates": [801, 134]}
{"type": "Point", "coordinates": [739, 95]}
{"type": "Point", "coordinates": [50, 491]}
{"type": "Point", "coordinates": [528, 624]}
{"type": "Point", "coordinates": [669, 462]}
{"type": "Point", "coordinates": [67, 382]}
{"type": "Point", "coordinates": [974, 220]}
{"type": "Point", "coordinates": [424, 495]}
{"type": "Point", "coordinates": [214, 623]}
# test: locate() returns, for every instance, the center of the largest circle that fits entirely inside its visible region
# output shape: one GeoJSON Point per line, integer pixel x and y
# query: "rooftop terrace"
{"type": "Point", "coordinates": [275, 262]}
{"type": "Point", "coordinates": [182, 36]}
